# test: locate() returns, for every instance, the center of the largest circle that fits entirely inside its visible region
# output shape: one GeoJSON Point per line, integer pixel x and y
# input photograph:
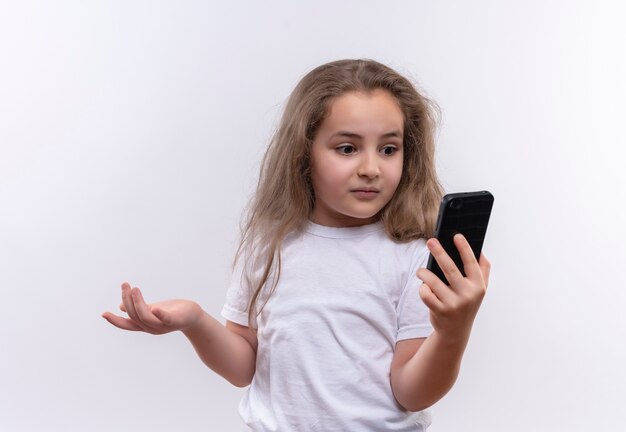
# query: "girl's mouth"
{"type": "Point", "coordinates": [365, 193]}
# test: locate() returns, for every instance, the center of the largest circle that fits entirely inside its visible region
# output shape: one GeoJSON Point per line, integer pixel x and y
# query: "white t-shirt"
{"type": "Point", "coordinates": [327, 335]}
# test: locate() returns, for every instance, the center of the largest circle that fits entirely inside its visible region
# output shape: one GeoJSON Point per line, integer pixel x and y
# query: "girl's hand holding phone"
{"type": "Point", "coordinates": [453, 308]}
{"type": "Point", "coordinates": [156, 318]}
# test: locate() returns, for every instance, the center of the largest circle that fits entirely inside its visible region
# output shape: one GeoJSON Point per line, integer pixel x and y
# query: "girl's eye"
{"type": "Point", "coordinates": [388, 150]}
{"type": "Point", "coordinates": [346, 149]}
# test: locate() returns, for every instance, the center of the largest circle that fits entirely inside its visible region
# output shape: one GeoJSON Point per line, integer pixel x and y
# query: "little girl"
{"type": "Point", "coordinates": [331, 318]}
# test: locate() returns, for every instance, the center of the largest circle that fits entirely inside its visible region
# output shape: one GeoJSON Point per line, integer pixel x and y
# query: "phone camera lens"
{"type": "Point", "coordinates": [456, 204]}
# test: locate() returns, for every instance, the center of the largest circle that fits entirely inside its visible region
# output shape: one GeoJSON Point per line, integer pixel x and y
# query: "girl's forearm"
{"type": "Point", "coordinates": [225, 352]}
{"type": "Point", "coordinates": [430, 373]}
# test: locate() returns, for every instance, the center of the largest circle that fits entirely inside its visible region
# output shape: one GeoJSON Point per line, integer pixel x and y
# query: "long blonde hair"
{"type": "Point", "coordinates": [284, 198]}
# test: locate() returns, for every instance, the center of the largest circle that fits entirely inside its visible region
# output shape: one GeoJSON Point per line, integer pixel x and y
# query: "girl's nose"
{"type": "Point", "coordinates": [368, 166]}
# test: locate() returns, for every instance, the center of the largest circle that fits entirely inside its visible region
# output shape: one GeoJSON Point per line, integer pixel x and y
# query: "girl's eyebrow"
{"type": "Point", "coordinates": [346, 134]}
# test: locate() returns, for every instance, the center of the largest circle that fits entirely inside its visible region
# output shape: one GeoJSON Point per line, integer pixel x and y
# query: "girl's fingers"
{"type": "Point", "coordinates": [130, 306]}
{"type": "Point", "coordinates": [470, 265]}
{"type": "Point", "coordinates": [443, 292]}
{"type": "Point", "coordinates": [164, 317]}
{"type": "Point", "coordinates": [485, 268]}
{"type": "Point", "coordinates": [430, 299]}
{"type": "Point", "coordinates": [447, 265]}
{"type": "Point", "coordinates": [121, 322]}
{"type": "Point", "coordinates": [127, 302]}
{"type": "Point", "coordinates": [144, 314]}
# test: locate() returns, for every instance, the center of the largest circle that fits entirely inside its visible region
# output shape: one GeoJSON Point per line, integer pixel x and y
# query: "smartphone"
{"type": "Point", "coordinates": [466, 213]}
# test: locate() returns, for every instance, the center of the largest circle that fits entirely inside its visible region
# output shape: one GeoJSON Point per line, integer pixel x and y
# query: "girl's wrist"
{"type": "Point", "coordinates": [451, 341]}
{"type": "Point", "coordinates": [195, 324]}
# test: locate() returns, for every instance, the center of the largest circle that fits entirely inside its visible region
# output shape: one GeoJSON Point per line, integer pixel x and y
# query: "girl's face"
{"type": "Point", "coordinates": [356, 158]}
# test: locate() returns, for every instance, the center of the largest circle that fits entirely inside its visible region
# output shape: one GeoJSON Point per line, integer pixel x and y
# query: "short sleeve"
{"type": "Point", "coordinates": [236, 306]}
{"type": "Point", "coordinates": [413, 314]}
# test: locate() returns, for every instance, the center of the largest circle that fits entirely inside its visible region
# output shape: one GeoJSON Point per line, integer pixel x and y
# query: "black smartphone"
{"type": "Point", "coordinates": [466, 213]}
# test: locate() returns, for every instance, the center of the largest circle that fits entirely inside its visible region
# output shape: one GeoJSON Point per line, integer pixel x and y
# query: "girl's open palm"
{"type": "Point", "coordinates": [453, 308]}
{"type": "Point", "coordinates": [156, 318]}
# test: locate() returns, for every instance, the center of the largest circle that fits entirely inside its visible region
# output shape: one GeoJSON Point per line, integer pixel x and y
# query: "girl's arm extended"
{"type": "Point", "coordinates": [228, 350]}
{"type": "Point", "coordinates": [424, 370]}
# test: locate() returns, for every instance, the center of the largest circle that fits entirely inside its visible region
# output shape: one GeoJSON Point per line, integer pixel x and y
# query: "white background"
{"type": "Point", "coordinates": [130, 138]}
